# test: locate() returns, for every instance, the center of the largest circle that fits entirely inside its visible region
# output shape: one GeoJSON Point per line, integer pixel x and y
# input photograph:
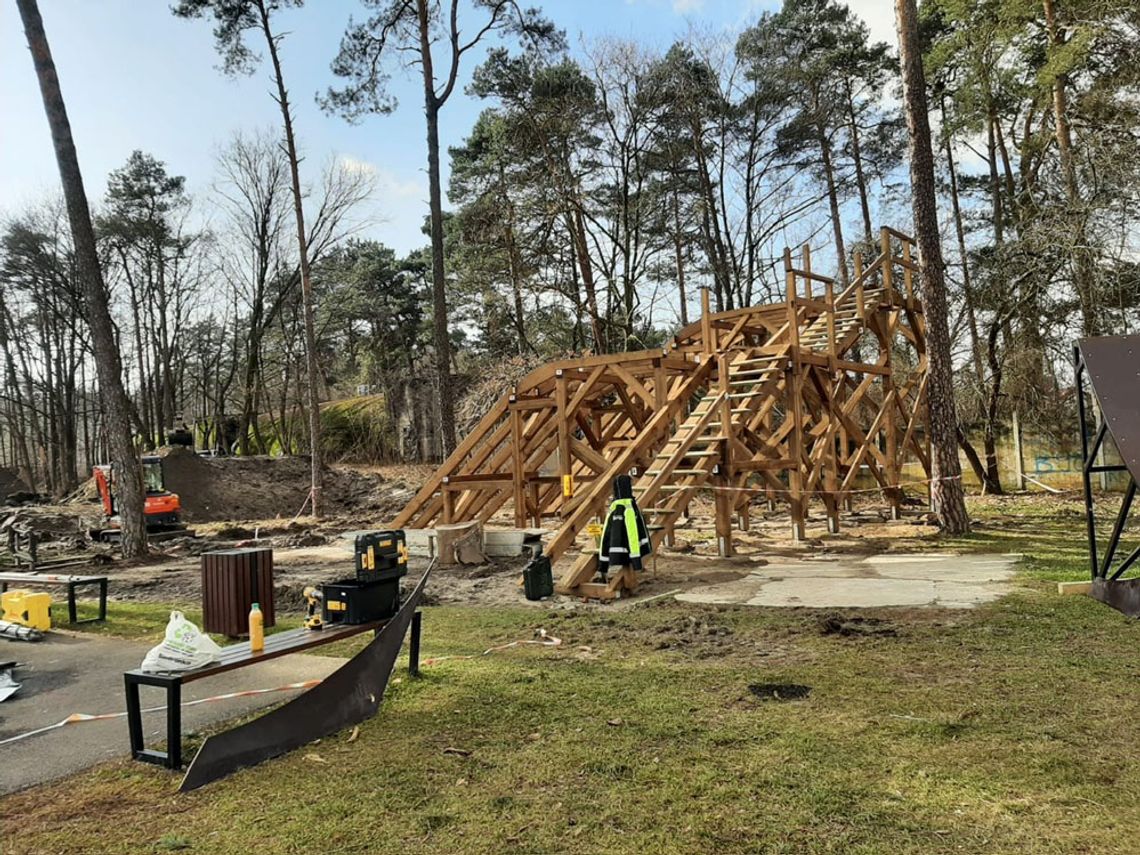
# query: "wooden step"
{"type": "Point", "coordinates": [762, 360]}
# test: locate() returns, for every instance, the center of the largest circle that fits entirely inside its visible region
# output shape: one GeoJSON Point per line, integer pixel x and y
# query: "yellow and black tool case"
{"type": "Point", "coordinates": [353, 601]}
{"type": "Point", "coordinates": [378, 552]}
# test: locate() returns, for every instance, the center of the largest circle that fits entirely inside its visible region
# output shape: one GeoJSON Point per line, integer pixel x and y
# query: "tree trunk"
{"type": "Point", "coordinates": [438, 280]}
{"type": "Point", "coordinates": [312, 369]}
{"type": "Point", "coordinates": [833, 201]}
{"type": "Point", "coordinates": [1085, 275]}
{"type": "Point", "coordinates": [960, 232]}
{"type": "Point", "coordinates": [857, 159]}
{"type": "Point", "coordinates": [947, 494]}
{"type": "Point", "coordinates": [128, 472]}
{"type": "Point", "coordinates": [680, 258]}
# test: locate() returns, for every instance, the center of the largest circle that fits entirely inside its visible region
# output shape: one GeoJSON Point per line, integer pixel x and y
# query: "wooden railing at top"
{"type": "Point", "coordinates": [778, 320]}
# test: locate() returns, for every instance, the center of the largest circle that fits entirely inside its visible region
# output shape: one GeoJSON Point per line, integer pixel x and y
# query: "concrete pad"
{"type": "Point", "coordinates": [74, 673]}
{"type": "Point", "coordinates": [1074, 587]}
{"type": "Point", "coordinates": [929, 579]}
{"type": "Point", "coordinates": [845, 593]}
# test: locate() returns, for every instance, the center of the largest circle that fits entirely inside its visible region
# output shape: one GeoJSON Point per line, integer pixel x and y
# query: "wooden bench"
{"type": "Point", "coordinates": [232, 657]}
{"type": "Point", "coordinates": [48, 580]}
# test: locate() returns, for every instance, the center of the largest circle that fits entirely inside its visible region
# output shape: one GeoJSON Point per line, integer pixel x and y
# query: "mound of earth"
{"type": "Point", "coordinates": [253, 488]}
{"type": "Point", "coordinates": [11, 483]}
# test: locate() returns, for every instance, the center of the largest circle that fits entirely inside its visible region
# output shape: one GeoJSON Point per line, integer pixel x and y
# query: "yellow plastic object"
{"type": "Point", "coordinates": [30, 608]}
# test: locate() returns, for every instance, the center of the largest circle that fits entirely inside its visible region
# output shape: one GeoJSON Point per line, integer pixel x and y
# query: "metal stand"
{"type": "Point", "coordinates": [1108, 586]}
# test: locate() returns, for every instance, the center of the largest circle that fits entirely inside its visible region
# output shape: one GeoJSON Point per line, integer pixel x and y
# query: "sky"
{"type": "Point", "coordinates": [136, 77]}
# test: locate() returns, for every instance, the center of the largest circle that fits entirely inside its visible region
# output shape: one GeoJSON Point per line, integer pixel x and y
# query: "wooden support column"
{"type": "Point", "coordinates": [448, 502]}
{"type": "Point", "coordinates": [831, 437]}
{"type": "Point", "coordinates": [518, 475]}
{"type": "Point", "coordinates": [890, 425]}
{"type": "Point", "coordinates": [725, 471]}
{"type": "Point", "coordinates": [562, 414]}
{"type": "Point", "coordinates": [769, 492]}
{"type": "Point", "coordinates": [707, 343]}
{"type": "Point", "coordinates": [886, 269]}
{"type": "Point", "coordinates": [796, 450]}
{"type": "Point", "coordinates": [793, 317]}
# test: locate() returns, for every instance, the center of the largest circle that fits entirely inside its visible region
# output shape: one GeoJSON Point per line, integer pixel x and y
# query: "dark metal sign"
{"type": "Point", "coordinates": [346, 697]}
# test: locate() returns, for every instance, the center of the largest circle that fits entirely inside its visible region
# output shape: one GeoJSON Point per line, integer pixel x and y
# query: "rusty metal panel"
{"type": "Point", "coordinates": [1113, 365]}
{"type": "Point", "coordinates": [1122, 595]}
{"type": "Point", "coordinates": [348, 696]}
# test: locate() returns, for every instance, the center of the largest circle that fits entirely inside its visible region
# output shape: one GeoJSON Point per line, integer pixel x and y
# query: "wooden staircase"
{"type": "Point", "coordinates": [780, 399]}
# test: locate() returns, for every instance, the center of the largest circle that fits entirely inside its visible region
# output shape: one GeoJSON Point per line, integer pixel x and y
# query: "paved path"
{"type": "Point", "coordinates": [72, 672]}
{"type": "Point", "coordinates": [944, 581]}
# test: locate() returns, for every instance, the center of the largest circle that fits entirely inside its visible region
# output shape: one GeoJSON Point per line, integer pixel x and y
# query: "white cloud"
{"type": "Point", "coordinates": [683, 7]}
{"type": "Point", "coordinates": [389, 185]}
{"type": "Point", "coordinates": [880, 17]}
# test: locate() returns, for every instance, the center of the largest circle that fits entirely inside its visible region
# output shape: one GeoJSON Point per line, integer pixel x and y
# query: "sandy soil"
{"type": "Point", "coordinates": [307, 552]}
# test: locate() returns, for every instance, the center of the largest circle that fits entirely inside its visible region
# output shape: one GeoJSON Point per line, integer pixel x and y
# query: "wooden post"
{"type": "Point", "coordinates": [890, 425]}
{"type": "Point", "coordinates": [831, 436]}
{"type": "Point", "coordinates": [793, 315]}
{"type": "Point", "coordinates": [908, 274]}
{"type": "Point", "coordinates": [795, 451]}
{"type": "Point", "coordinates": [808, 292]}
{"type": "Point", "coordinates": [885, 268]}
{"type": "Point", "coordinates": [565, 464]}
{"type": "Point", "coordinates": [518, 464]}
{"type": "Point", "coordinates": [769, 492]}
{"type": "Point", "coordinates": [724, 498]}
{"type": "Point", "coordinates": [448, 502]}
{"type": "Point", "coordinates": [707, 344]}
{"type": "Point", "coordinates": [860, 298]}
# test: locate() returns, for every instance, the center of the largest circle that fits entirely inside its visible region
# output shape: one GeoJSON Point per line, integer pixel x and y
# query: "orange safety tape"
{"type": "Point", "coordinates": [77, 718]}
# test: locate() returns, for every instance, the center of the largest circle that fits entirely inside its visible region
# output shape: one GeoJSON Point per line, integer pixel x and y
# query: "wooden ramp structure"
{"type": "Point", "coordinates": [784, 402]}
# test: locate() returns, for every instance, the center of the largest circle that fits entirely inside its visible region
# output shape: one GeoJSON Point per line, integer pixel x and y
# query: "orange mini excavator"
{"type": "Point", "coordinates": [163, 508]}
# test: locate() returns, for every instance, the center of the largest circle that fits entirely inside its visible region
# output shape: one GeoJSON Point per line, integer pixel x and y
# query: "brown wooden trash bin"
{"type": "Point", "coordinates": [232, 581]}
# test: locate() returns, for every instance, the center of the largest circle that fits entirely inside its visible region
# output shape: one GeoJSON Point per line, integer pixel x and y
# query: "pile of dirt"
{"type": "Point", "coordinates": [11, 483]}
{"type": "Point", "coordinates": [256, 488]}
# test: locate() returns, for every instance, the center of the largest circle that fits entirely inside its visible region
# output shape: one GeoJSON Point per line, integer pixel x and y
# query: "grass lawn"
{"type": "Point", "coordinates": [1010, 728]}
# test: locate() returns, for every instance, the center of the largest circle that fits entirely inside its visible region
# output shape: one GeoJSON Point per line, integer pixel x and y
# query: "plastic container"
{"type": "Point", "coordinates": [378, 552]}
{"type": "Point", "coordinates": [538, 578]}
{"type": "Point", "coordinates": [352, 601]}
{"type": "Point", "coordinates": [256, 629]}
{"type": "Point", "coordinates": [29, 608]}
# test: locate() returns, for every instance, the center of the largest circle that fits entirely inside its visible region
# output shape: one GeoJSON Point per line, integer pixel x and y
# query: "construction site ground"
{"type": "Point", "coordinates": [658, 725]}
{"type": "Point", "coordinates": [264, 495]}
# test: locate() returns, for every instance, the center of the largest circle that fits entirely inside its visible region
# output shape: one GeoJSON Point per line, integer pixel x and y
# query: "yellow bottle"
{"type": "Point", "coordinates": [256, 629]}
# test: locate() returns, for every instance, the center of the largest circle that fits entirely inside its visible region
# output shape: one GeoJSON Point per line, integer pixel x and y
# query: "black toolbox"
{"type": "Point", "coordinates": [378, 552]}
{"type": "Point", "coordinates": [352, 601]}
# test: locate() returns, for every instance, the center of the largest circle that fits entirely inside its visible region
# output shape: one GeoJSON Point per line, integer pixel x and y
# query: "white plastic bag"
{"type": "Point", "coordinates": [185, 648]}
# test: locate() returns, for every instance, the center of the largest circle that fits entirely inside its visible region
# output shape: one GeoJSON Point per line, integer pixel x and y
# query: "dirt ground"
{"type": "Point", "coordinates": [238, 502]}
{"type": "Point", "coordinates": [305, 554]}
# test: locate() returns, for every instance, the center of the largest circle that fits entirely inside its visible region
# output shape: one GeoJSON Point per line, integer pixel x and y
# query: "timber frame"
{"type": "Point", "coordinates": [783, 402]}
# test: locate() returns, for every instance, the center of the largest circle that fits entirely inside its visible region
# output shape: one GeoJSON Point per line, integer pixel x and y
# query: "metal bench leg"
{"type": "Point", "coordinates": [171, 758]}
{"type": "Point", "coordinates": [414, 645]}
{"type": "Point", "coordinates": [134, 717]}
{"type": "Point", "coordinates": [174, 725]}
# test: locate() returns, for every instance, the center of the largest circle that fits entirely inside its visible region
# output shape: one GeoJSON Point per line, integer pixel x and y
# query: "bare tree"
{"type": "Point", "coordinates": [412, 27]}
{"type": "Point", "coordinates": [233, 18]}
{"type": "Point", "coordinates": [128, 472]}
